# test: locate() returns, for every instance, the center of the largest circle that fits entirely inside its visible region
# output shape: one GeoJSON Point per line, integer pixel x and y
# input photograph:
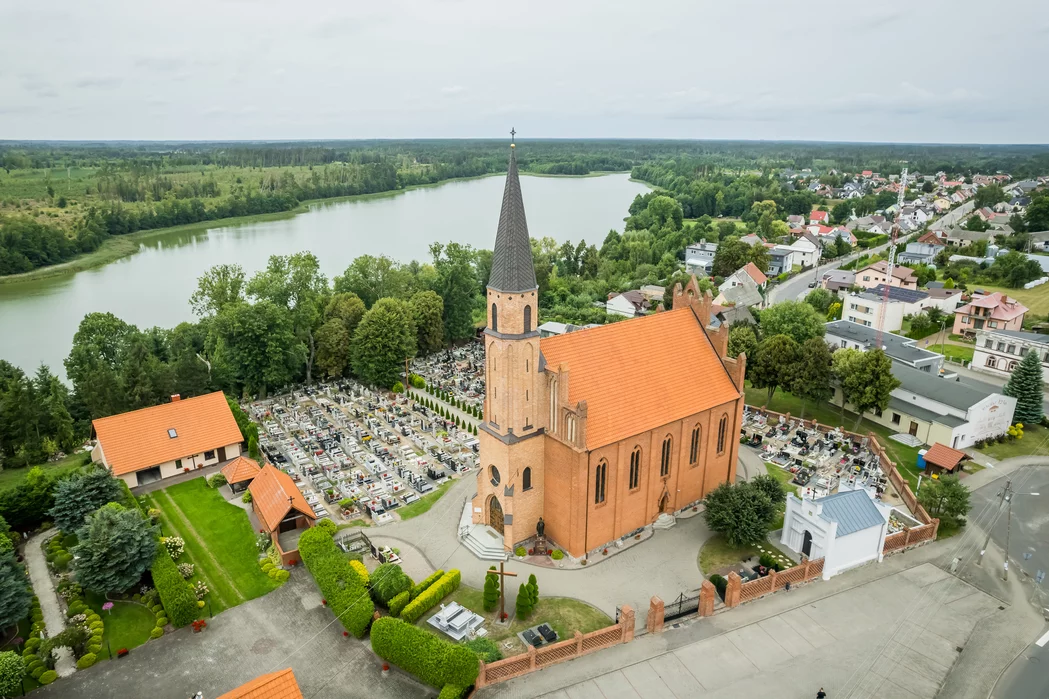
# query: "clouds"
{"type": "Point", "coordinates": [759, 69]}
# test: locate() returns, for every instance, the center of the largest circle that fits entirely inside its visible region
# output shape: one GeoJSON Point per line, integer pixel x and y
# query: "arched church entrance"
{"type": "Point", "coordinates": [664, 502]}
{"type": "Point", "coordinates": [495, 514]}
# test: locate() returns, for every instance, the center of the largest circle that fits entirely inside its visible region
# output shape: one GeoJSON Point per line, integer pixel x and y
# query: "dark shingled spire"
{"type": "Point", "coordinates": [512, 269]}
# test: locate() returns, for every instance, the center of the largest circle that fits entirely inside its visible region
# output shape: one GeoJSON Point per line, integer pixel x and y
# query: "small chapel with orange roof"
{"type": "Point", "coordinates": [602, 430]}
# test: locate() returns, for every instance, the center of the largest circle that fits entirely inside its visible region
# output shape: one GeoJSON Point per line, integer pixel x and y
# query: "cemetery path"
{"type": "Point", "coordinates": [44, 589]}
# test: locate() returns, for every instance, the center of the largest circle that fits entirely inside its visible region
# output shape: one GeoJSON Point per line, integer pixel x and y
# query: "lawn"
{"type": "Point", "coordinates": [564, 615]}
{"type": "Point", "coordinates": [1033, 442]}
{"type": "Point", "coordinates": [906, 457]}
{"type": "Point", "coordinates": [10, 477]}
{"type": "Point", "coordinates": [423, 504]}
{"type": "Point", "coordinates": [127, 624]}
{"type": "Point", "coordinates": [1036, 299]}
{"type": "Point", "coordinates": [717, 554]}
{"type": "Point", "coordinates": [956, 352]}
{"type": "Point", "coordinates": [219, 540]}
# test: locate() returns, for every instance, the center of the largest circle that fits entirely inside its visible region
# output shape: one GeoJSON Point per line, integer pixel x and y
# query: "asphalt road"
{"type": "Point", "coordinates": [797, 287]}
{"type": "Point", "coordinates": [1028, 676]}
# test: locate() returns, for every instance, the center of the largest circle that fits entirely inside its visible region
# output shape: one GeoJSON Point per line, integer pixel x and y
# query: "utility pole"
{"type": "Point", "coordinates": [1008, 529]}
{"type": "Point", "coordinates": [987, 539]}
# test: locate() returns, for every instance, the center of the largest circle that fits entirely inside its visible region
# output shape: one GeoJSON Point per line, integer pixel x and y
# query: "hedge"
{"type": "Point", "coordinates": [399, 602]}
{"type": "Point", "coordinates": [176, 594]}
{"type": "Point", "coordinates": [451, 691]}
{"type": "Point", "coordinates": [388, 581]}
{"type": "Point", "coordinates": [448, 584]}
{"type": "Point", "coordinates": [361, 572]}
{"type": "Point", "coordinates": [421, 587]}
{"type": "Point", "coordinates": [48, 677]}
{"type": "Point", "coordinates": [157, 632]}
{"type": "Point", "coordinates": [431, 659]}
{"type": "Point", "coordinates": [338, 580]}
{"type": "Point", "coordinates": [86, 661]}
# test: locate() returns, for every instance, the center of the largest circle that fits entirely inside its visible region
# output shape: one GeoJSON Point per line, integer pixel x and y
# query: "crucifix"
{"type": "Point", "coordinates": [503, 575]}
{"type": "Point", "coordinates": [512, 134]}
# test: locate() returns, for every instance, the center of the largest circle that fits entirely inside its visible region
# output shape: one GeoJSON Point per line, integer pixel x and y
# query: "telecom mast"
{"type": "Point", "coordinates": [893, 235]}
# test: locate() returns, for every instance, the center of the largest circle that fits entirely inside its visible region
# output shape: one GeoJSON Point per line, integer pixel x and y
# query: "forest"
{"type": "Point", "coordinates": [62, 200]}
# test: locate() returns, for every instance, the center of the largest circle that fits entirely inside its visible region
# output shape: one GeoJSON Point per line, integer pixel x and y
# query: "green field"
{"type": "Point", "coordinates": [956, 352]}
{"type": "Point", "coordinates": [1034, 441]}
{"type": "Point", "coordinates": [1036, 299]}
{"type": "Point", "coordinates": [219, 540]}
{"type": "Point", "coordinates": [13, 476]}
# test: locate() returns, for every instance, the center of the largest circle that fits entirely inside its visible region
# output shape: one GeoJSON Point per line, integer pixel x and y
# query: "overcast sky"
{"type": "Point", "coordinates": [937, 71]}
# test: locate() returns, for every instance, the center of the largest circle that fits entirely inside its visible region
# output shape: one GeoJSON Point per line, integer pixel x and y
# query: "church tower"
{"type": "Point", "coordinates": [510, 480]}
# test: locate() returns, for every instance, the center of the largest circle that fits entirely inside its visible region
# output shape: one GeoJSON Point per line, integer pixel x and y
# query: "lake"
{"type": "Point", "coordinates": [152, 287]}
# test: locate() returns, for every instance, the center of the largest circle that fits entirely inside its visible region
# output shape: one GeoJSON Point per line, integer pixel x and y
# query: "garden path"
{"type": "Point", "coordinates": [44, 588]}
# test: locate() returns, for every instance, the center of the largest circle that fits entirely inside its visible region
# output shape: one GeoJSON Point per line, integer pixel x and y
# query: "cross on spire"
{"type": "Point", "coordinates": [512, 134]}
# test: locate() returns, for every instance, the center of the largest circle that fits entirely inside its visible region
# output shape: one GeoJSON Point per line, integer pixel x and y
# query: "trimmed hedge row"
{"type": "Point", "coordinates": [398, 603]}
{"type": "Point", "coordinates": [361, 572]}
{"type": "Point", "coordinates": [434, 661]}
{"type": "Point", "coordinates": [452, 691]}
{"type": "Point", "coordinates": [339, 582]}
{"type": "Point", "coordinates": [430, 580]}
{"type": "Point", "coordinates": [177, 595]}
{"type": "Point", "coordinates": [448, 584]}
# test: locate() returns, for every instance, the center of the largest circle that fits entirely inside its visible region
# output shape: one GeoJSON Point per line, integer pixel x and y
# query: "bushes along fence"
{"type": "Point", "coordinates": [346, 593]}
{"type": "Point", "coordinates": [434, 661]}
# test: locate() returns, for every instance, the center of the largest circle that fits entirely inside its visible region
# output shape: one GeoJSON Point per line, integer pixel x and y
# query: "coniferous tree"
{"type": "Point", "coordinates": [116, 546]}
{"type": "Point", "coordinates": [491, 590]}
{"type": "Point", "coordinates": [81, 494]}
{"type": "Point", "coordinates": [524, 602]}
{"type": "Point", "coordinates": [1025, 385]}
{"type": "Point", "coordinates": [533, 590]}
{"type": "Point", "coordinates": [15, 595]}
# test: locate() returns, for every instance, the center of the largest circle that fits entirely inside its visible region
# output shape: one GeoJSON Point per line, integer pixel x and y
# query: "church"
{"type": "Point", "coordinates": [598, 431]}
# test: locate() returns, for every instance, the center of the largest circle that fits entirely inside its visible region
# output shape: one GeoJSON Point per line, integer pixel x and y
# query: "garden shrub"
{"type": "Point", "coordinates": [328, 526]}
{"type": "Point", "coordinates": [520, 551]}
{"type": "Point", "coordinates": [451, 691]}
{"type": "Point", "coordinates": [162, 621]}
{"type": "Point", "coordinates": [720, 584]}
{"type": "Point", "coordinates": [388, 581]}
{"type": "Point", "coordinates": [92, 618]}
{"type": "Point", "coordinates": [247, 496]}
{"type": "Point", "coordinates": [280, 575]}
{"type": "Point", "coordinates": [75, 608]}
{"type": "Point", "coordinates": [86, 661]}
{"type": "Point", "coordinates": [267, 565]}
{"type": "Point", "coordinates": [431, 659]}
{"type": "Point", "coordinates": [557, 555]}
{"type": "Point", "coordinates": [31, 645]}
{"type": "Point", "coordinates": [96, 626]}
{"type": "Point", "coordinates": [156, 633]}
{"type": "Point", "coordinates": [362, 572]}
{"type": "Point", "coordinates": [486, 649]}
{"type": "Point", "coordinates": [341, 585]}
{"type": "Point", "coordinates": [31, 667]}
{"type": "Point", "coordinates": [430, 580]}
{"type": "Point", "coordinates": [157, 608]}
{"type": "Point", "coordinates": [176, 594]}
{"type": "Point", "coordinates": [48, 677]}
{"type": "Point", "coordinates": [94, 647]}
{"type": "Point", "coordinates": [448, 584]}
{"type": "Point", "coordinates": [217, 481]}
{"type": "Point", "coordinates": [38, 670]}
{"type": "Point", "coordinates": [399, 602]}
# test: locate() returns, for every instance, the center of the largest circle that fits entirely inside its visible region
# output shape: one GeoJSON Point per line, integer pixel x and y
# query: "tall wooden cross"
{"type": "Point", "coordinates": [503, 575]}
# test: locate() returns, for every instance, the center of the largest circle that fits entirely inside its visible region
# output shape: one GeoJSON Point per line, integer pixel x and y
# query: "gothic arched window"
{"type": "Point", "coordinates": [635, 468]}
{"type": "Point", "coordinates": [693, 451]}
{"type": "Point", "coordinates": [528, 319]}
{"type": "Point", "coordinates": [722, 428]}
{"type": "Point", "coordinates": [664, 462]}
{"type": "Point", "coordinates": [495, 318]}
{"type": "Point", "coordinates": [599, 482]}
{"type": "Point", "coordinates": [526, 479]}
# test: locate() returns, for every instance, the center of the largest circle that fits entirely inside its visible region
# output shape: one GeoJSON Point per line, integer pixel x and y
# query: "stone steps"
{"type": "Point", "coordinates": [485, 543]}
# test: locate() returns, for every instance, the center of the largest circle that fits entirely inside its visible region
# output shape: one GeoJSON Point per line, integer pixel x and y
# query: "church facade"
{"type": "Point", "coordinates": [601, 430]}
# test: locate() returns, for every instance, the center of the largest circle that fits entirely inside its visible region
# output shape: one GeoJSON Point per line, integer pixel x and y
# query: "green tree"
{"type": "Point", "coordinates": [975, 223]}
{"type": "Point", "coordinates": [12, 670]}
{"type": "Point", "coordinates": [742, 339]}
{"type": "Point", "coordinates": [115, 547]}
{"type": "Point", "coordinates": [812, 373]}
{"type": "Point", "coordinates": [333, 348]}
{"type": "Point", "coordinates": [524, 602]}
{"type": "Point", "coordinates": [840, 213]}
{"type": "Point", "coordinates": [81, 494]}
{"type": "Point", "coordinates": [217, 288]}
{"type": "Point", "coordinates": [256, 345]}
{"type": "Point", "coordinates": [533, 590]}
{"type": "Point", "coordinates": [774, 364]}
{"type": "Point", "coordinates": [731, 254]}
{"type": "Point", "coordinates": [820, 299]}
{"type": "Point", "coordinates": [388, 581]}
{"type": "Point", "coordinates": [741, 513]}
{"type": "Point", "coordinates": [428, 314]}
{"type": "Point", "coordinates": [372, 278]}
{"type": "Point", "coordinates": [15, 595]}
{"type": "Point", "coordinates": [945, 498]}
{"type": "Point", "coordinates": [384, 339]}
{"type": "Point", "coordinates": [797, 319]}
{"type": "Point", "coordinates": [866, 381]}
{"type": "Point", "coordinates": [456, 284]}
{"type": "Point", "coordinates": [1025, 385]}
{"type": "Point", "coordinates": [100, 341]}
{"type": "Point", "coordinates": [347, 308]}
{"type": "Point", "coordinates": [765, 213]}
{"type": "Point", "coordinates": [989, 195]}
{"type": "Point", "coordinates": [771, 487]}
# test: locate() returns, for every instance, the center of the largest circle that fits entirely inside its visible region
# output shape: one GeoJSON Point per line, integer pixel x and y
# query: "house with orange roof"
{"type": "Point", "coordinates": [876, 274]}
{"type": "Point", "coordinates": [600, 432]}
{"type": "Point", "coordinates": [239, 472]}
{"type": "Point", "coordinates": [144, 446]}
{"type": "Point", "coordinates": [989, 311]}
{"type": "Point", "coordinates": [281, 510]}
{"type": "Point", "coordinates": [272, 685]}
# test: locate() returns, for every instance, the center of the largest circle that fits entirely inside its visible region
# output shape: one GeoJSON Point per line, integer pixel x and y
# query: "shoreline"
{"type": "Point", "coordinates": [116, 248]}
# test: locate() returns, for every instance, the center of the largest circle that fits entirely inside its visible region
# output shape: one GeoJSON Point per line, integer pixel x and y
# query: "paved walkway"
{"type": "Point", "coordinates": [207, 472]}
{"type": "Point", "coordinates": [44, 589]}
{"type": "Point", "coordinates": [286, 628]}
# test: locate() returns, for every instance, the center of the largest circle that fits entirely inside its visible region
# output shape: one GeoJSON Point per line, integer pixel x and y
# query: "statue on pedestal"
{"type": "Point", "coordinates": [540, 528]}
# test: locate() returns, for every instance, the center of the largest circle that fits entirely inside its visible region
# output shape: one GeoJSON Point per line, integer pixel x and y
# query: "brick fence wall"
{"type": "Point", "coordinates": [538, 658]}
{"type": "Point", "coordinates": [899, 541]}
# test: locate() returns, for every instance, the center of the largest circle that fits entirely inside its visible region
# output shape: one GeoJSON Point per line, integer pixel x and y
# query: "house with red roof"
{"type": "Point", "coordinates": [819, 217]}
{"type": "Point", "coordinates": [989, 311]}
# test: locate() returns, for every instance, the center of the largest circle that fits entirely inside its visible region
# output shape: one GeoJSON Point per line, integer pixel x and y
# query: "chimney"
{"type": "Point", "coordinates": [611, 295]}
{"type": "Point", "coordinates": [176, 398]}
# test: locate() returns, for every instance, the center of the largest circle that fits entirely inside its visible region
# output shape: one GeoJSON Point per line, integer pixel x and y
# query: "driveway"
{"type": "Point", "coordinates": [287, 628]}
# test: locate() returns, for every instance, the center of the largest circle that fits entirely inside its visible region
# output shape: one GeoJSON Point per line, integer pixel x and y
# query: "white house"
{"type": "Point", "coordinates": [846, 529]}
{"type": "Point", "coordinates": [807, 250]}
{"type": "Point", "coordinates": [699, 257]}
{"type": "Point", "coordinates": [999, 351]}
{"type": "Point", "coordinates": [628, 304]}
{"type": "Point", "coordinates": [781, 259]}
{"type": "Point", "coordinates": [865, 307]}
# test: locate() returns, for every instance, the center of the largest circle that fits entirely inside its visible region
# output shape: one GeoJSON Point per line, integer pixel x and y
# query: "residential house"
{"type": "Point", "coordinates": [654, 293]}
{"type": "Point", "coordinates": [963, 238]}
{"type": "Point", "coordinates": [941, 205]}
{"type": "Point", "coordinates": [844, 334]}
{"type": "Point", "coordinates": [919, 254]}
{"type": "Point", "coordinates": [914, 214]}
{"type": "Point", "coordinates": [551, 328]}
{"type": "Point", "coordinates": [957, 412]}
{"type": "Point", "coordinates": [753, 239]}
{"type": "Point", "coordinates": [872, 223]}
{"type": "Point", "coordinates": [146, 445]}
{"type": "Point", "coordinates": [836, 280]}
{"type": "Point", "coordinates": [795, 220]}
{"type": "Point", "coordinates": [699, 257]}
{"type": "Point", "coordinates": [629, 304]}
{"type": "Point", "coordinates": [781, 259]}
{"type": "Point", "coordinates": [932, 238]}
{"type": "Point", "coordinates": [1040, 241]}
{"type": "Point", "coordinates": [745, 294]}
{"type": "Point", "coordinates": [747, 272]}
{"type": "Point", "coordinates": [819, 217]}
{"type": "Point", "coordinates": [281, 510]}
{"type": "Point", "coordinates": [875, 274]}
{"type": "Point", "coordinates": [947, 300]}
{"type": "Point", "coordinates": [873, 309]}
{"type": "Point", "coordinates": [991, 312]}
{"type": "Point", "coordinates": [846, 529]}
{"type": "Point", "coordinates": [999, 351]}
{"type": "Point", "coordinates": [730, 315]}
{"type": "Point", "coordinates": [272, 685]}
{"type": "Point", "coordinates": [807, 251]}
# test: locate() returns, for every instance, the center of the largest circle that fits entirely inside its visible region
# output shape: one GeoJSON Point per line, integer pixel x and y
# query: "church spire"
{"type": "Point", "coordinates": [512, 268]}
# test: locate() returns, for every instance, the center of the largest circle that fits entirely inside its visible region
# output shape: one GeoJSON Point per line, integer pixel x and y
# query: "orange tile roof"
{"type": "Point", "coordinates": [944, 456]}
{"type": "Point", "coordinates": [638, 374]}
{"type": "Point", "coordinates": [271, 490]}
{"type": "Point", "coordinates": [240, 469]}
{"type": "Point", "coordinates": [140, 439]}
{"type": "Point", "coordinates": [273, 685]}
{"type": "Point", "coordinates": [756, 274]}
